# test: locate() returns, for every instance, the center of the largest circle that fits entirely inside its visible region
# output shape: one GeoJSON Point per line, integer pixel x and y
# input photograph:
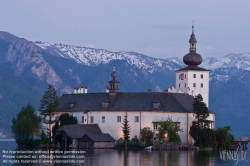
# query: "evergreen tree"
{"type": "Point", "coordinates": [26, 125]}
{"type": "Point", "coordinates": [48, 105]}
{"type": "Point", "coordinates": [200, 131]}
{"type": "Point", "coordinates": [126, 130]}
{"type": "Point", "coordinates": [201, 112]}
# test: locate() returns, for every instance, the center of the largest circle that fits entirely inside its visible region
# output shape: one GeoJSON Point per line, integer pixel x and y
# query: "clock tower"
{"type": "Point", "coordinates": [193, 79]}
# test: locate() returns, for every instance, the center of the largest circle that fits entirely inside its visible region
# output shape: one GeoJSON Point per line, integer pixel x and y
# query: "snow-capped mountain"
{"type": "Point", "coordinates": [239, 61]}
{"type": "Point", "coordinates": [94, 57]}
{"type": "Point", "coordinates": [221, 68]}
{"type": "Point", "coordinates": [91, 56]}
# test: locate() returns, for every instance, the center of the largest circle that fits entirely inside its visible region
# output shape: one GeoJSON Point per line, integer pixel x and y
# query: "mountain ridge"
{"type": "Point", "coordinates": [36, 65]}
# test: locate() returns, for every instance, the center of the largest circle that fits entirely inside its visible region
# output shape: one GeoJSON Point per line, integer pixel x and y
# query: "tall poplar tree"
{"type": "Point", "coordinates": [48, 105]}
{"type": "Point", "coordinates": [126, 130]}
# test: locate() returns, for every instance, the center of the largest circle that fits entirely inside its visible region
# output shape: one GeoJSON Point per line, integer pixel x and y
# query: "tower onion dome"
{"type": "Point", "coordinates": [113, 74]}
{"type": "Point", "coordinates": [192, 58]}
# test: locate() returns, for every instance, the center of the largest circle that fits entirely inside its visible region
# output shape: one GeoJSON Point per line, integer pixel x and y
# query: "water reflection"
{"type": "Point", "coordinates": [148, 158]}
{"type": "Point", "coordinates": [112, 157]}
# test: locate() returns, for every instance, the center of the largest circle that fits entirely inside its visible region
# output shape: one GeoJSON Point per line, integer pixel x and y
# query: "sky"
{"type": "Point", "coordinates": [159, 28]}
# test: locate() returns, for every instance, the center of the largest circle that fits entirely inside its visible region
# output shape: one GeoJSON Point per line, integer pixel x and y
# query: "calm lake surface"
{"type": "Point", "coordinates": [112, 157]}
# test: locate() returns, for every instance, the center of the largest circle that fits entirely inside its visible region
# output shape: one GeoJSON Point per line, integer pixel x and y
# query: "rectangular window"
{"type": "Point", "coordinates": [201, 75]}
{"type": "Point", "coordinates": [194, 85]}
{"type": "Point", "coordinates": [194, 75]}
{"type": "Point", "coordinates": [91, 119]}
{"type": "Point", "coordinates": [119, 119]}
{"type": "Point", "coordinates": [201, 85]}
{"type": "Point", "coordinates": [155, 126]}
{"type": "Point", "coordinates": [185, 75]}
{"type": "Point", "coordinates": [179, 85]}
{"type": "Point", "coordinates": [82, 119]}
{"type": "Point", "coordinates": [103, 119]}
{"type": "Point", "coordinates": [136, 118]}
{"type": "Point", "coordinates": [185, 85]}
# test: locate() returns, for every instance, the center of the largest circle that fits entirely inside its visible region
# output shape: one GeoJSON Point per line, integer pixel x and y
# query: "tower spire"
{"type": "Point", "coordinates": [192, 41]}
{"type": "Point", "coordinates": [113, 84]}
{"type": "Point", "coordinates": [192, 58]}
{"type": "Point", "coordinates": [193, 27]}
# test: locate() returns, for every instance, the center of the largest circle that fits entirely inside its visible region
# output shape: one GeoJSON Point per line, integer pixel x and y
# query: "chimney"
{"type": "Point", "coordinates": [78, 90]}
{"type": "Point", "coordinates": [81, 89]}
{"type": "Point", "coordinates": [149, 90]}
{"type": "Point", "coordinates": [75, 90]}
{"type": "Point", "coordinates": [86, 89]}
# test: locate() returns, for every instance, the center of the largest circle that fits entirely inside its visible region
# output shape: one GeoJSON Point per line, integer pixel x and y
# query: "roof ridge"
{"type": "Point", "coordinates": [179, 102]}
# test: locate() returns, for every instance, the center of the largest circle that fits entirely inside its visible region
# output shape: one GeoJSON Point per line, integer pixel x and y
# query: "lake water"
{"type": "Point", "coordinates": [112, 157]}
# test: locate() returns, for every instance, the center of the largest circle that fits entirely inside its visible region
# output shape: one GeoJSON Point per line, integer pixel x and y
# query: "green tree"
{"type": "Point", "coordinates": [135, 142]}
{"type": "Point", "coordinates": [26, 125]}
{"type": "Point", "coordinates": [200, 131]}
{"type": "Point", "coordinates": [64, 119]}
{"type": "Point", "coordinates": [146, 136]}
{"type": "Point", "coordinates": [203, 137]}
{"type": "Point", "coordinates": [168, 130]}
{"type": "Point", "coordinates": [201, 112]}
{"type": "Point", "coordinates": [224, 138]}
{"type": "Point", "coordinates": [48, 105]}
{"type": "Point", "coordinates": [126, 130]}
{"type": "Point", "coordinates": [120, 143]}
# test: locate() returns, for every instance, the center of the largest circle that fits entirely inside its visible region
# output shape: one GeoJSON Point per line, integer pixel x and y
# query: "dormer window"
{"type": "Point", "coordinates": [71, 105]}
{"type": "Point", "coordinates": [105, 104]}
{"type": "Point", "coordinates": [156, 105]}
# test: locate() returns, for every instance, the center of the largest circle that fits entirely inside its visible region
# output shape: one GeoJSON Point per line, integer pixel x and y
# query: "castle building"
{"type": "Point", "coordinates": [143, 109]}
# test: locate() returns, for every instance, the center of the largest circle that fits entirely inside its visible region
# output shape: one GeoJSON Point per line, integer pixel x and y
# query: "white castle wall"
{"type": "Point", "coordinates": [114, 128]}
{"type": "Point", "coordinates": [189, 80]}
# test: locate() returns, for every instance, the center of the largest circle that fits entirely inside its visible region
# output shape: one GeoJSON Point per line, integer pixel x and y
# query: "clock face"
{"type": "Point", "coordinates": [181, 76]}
